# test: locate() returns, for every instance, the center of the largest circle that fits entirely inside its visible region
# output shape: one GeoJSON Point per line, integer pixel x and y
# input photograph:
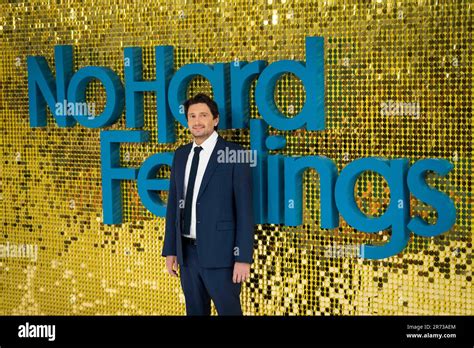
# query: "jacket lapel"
{"type": "Point", "coordinates": [211, 165]}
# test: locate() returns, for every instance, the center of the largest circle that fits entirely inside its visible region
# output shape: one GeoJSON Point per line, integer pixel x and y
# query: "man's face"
{"type": "Point", "coordinates": [200, 121]}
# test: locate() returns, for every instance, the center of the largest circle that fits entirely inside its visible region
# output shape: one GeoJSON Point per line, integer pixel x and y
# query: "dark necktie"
{"type": "Point", "coordinates": [189, 190]}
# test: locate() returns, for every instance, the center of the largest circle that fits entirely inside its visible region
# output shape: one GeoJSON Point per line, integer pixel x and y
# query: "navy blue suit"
{"type": "Point", "coordinates": [224, 230]}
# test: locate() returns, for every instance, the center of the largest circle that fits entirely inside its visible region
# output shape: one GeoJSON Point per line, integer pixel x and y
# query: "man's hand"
{"type": "Point", "coordinates": [241, 272]}
{"type": "Point", "coordinates": [172, 265]}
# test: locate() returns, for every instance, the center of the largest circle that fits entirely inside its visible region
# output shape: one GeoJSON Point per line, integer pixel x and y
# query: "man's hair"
{"type": "Point", "coordinates": [202, 98]}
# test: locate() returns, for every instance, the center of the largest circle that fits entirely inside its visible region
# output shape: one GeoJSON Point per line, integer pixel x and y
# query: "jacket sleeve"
{"type": "Point", "coordinates": [242, 183]}
{"type": "Point", "coordinates": [169, 245]}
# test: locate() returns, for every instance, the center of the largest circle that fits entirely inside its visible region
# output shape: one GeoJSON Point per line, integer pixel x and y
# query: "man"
{"type": "Point", "coordinates": [209, 218]}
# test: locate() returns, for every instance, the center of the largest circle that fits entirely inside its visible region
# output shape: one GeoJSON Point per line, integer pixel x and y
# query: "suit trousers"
{"type": "Point", "coordinates": [200, 285]}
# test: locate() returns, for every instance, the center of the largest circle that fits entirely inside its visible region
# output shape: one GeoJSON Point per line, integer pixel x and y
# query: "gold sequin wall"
{"type": "Point", "coordinates": [376, 52]}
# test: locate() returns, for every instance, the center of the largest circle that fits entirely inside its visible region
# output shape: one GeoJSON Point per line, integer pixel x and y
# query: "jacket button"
{"type": "Point", "coordinates": [199, 222]}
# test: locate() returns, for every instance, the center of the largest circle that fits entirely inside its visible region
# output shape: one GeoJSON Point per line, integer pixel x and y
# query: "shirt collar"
{"type": "Point", "coordinates": [209, 143]}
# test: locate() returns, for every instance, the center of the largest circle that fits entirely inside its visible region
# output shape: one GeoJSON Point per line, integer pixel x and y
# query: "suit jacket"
{"type": "Point", "coordinates": [224, 214]}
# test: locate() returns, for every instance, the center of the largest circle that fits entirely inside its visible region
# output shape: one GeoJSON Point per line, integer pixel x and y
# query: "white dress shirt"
{"type": "Point", "coordinates": [204, 156]}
